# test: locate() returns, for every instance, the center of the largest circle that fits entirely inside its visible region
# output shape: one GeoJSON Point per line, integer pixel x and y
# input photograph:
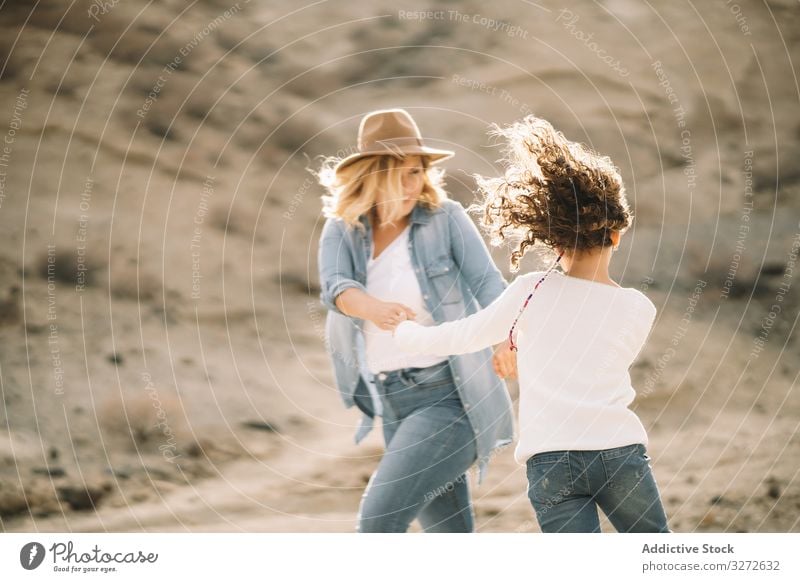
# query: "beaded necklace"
{"type": "Point", "coordinates": [513, 346]}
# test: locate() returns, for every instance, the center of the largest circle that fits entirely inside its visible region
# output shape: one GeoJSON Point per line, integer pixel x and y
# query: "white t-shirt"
{"type": "Point", "coordinates": [391, 277]}
{"type": "Point", "coordinates": [576, 339]}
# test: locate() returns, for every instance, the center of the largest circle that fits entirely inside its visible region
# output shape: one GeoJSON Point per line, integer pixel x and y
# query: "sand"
{"type": "Point", "coordinates": [162, 364]}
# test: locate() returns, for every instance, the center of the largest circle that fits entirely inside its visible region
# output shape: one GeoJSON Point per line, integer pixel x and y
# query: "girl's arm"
{"type": "Point", "coordinates": [480, 330]}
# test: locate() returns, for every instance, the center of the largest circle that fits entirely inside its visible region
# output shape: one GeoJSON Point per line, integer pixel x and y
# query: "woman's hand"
{"type": "Point", "coordinates": [388, 316]}
{"type": "Point", "coordinates": [505, 361]}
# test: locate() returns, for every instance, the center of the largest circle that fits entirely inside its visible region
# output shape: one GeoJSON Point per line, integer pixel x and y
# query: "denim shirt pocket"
{"type": "Point", "coordinates": [442, 274]}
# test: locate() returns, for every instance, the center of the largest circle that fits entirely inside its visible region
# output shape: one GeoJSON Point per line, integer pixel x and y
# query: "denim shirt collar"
{"type": "Point", "coordinates": [419, 215]}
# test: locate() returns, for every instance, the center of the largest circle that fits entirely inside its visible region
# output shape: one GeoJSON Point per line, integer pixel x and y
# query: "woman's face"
{"type": "Point", "coordinates": [413, 180]}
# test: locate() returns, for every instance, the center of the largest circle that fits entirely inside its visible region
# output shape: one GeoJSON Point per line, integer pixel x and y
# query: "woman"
{"type": "Point", "coordinates": [579, 333]}
{"type": "Point", "coordinates": [394, 246]}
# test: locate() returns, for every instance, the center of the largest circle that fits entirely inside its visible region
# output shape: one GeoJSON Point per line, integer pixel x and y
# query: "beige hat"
{"type": "Point", "coordinates": [392, 132]}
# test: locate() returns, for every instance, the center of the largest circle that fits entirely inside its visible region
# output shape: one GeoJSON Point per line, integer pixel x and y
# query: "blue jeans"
{"type": "Point", "coordinates": [430, 445]}
{"type": "Point", "coordinates": [566, 487]}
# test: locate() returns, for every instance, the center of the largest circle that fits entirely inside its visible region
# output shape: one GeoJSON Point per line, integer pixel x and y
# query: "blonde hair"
{"type": "Point", "coordinates": [353, 190]}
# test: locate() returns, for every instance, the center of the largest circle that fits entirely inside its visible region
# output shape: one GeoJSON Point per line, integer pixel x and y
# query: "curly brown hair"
{"type": "Point", "coordinates": [554, 191]}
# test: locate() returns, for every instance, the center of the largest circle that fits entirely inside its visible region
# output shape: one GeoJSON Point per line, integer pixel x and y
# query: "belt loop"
{"type": "Point", "coordinates": [407, 382]}
{"type": "Point", "coordinates": [379, 380]}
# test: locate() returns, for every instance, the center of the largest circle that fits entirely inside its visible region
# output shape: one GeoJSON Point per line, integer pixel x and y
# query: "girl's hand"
{"type": "Point", "coordinates": [505, 361]}
{"type": "Point", "coordinates": [395, 326]}
{"type": "Point", "coordinates": [388, 315]}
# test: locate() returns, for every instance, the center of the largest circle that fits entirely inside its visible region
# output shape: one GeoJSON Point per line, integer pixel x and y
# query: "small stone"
{"type": "Point", "coordinates": [35, 327]}
{"type": "Point", "coordinates": [83, 497]}
{"type": "Point", "coordinates": [49, 471]}
{"type": "Point", "coordinates": [773, 489]}
{"type": "Point", "coordinates": [163, 486]}
{"type": "Point", "coordinates": [708, 519]}
{"type": "Point", "coordinates": [196, 449]}
{"type": "Point", "coordinates": [156, 473]}
{"type": "Point", "coordinates": [139, 496]}
{"type": "Point", "coordinates": [260, 425]}
{"type": "Point", "coordinates": [115, 359]}
{"type": "Point", "coordinates": [118, 473]}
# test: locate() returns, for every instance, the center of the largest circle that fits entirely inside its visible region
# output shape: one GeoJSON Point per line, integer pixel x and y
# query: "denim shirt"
{"type": "Point", "coordinates": [457, 277]}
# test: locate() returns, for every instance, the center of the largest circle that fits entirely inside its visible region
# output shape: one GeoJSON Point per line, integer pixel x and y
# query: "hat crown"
{"type": "Point", "coordinates": [391, 132]}
{"type": "Point", "coordinates": [389, 126]}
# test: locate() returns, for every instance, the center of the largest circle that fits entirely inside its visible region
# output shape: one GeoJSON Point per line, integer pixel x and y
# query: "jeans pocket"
{"type": "Point", "coordinates": [625, 472]}
{"type": "Point", "coordinates": [427, 378]}
{"type": "Point", "coordinates": [432, 384]}
{"type": "Point", "coordinates": [623, 451]}
{"type": "Point", "coordinates": [549, 479]}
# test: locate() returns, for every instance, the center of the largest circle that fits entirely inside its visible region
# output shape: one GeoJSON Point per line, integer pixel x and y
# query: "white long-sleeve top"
{"type": "Point", "coordinates": [576, 339]}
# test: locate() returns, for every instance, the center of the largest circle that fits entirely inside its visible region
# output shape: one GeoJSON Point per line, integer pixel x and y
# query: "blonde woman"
{"type": "Point", "coordinates": [395, 247]}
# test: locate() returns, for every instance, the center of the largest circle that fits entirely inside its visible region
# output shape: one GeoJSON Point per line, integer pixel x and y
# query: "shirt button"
{"type": "Point", "coordinates": [381, 376]}
{"type": "Point", "coordinates": [458, 378]}
{"type": "Point", "coordinates": [467, 407]}
{"type": "Point", "coordinates": [424, 296]}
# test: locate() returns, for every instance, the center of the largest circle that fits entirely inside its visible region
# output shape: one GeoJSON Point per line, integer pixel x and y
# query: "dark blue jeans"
{"type": "Point", "coordinates": [566, 488]}
{"type": "Point", "coordinates": [430, 445]}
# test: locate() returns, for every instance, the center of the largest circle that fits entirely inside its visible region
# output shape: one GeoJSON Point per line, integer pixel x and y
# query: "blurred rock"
{"type": "Point", "coordinates": [81, 497]}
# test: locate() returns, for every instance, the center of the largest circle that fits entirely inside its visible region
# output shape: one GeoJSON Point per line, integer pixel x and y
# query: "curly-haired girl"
{"type": "Point", "coordinates": [578, 334]}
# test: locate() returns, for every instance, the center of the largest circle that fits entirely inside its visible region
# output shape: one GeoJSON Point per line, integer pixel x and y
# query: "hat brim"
{"type": "Point", "coordinates": [434, 155]}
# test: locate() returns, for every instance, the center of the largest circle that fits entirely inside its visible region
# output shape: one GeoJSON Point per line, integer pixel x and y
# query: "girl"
{"type": "Point", "coordinates": [393, 246]}
{"type": "Point", "coordinates": [577, 332]}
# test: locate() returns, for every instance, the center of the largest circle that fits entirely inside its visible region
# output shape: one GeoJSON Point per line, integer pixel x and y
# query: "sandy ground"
{"type": "Point", "coordinates": [162, 364]}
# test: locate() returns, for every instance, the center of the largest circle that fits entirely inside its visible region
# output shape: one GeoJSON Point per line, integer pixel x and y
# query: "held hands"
{"type": "Point", "coordinates": [387, 316]}
{"type": "Point", "coordinates": [505, 361]}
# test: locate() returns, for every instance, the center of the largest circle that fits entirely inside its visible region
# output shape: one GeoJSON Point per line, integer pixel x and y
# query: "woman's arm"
{"type": "Point", "coordinates": [340, 292]}
{"type": "Point", "coordinates": [336, 270]}
{"type": "Point", "coordinates": [480, 330]}
{"type": "Point", "coordinates": [473, 258]}
{"type": "Point", "coordinates": [481, 275]}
